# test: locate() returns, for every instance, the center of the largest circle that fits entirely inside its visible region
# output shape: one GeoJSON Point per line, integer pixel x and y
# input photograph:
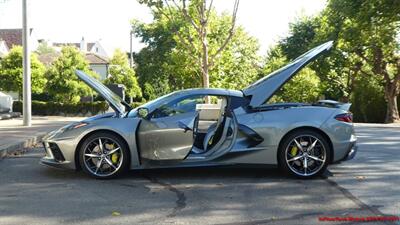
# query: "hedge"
{"type": "Point", "coordinates": [63, 109]}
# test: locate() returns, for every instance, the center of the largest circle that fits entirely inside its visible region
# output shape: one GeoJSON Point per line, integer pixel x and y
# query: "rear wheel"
{"type": "Point", "coordinates": [104, 155]}
{"type": "Point", "coordinates": [304, 154]}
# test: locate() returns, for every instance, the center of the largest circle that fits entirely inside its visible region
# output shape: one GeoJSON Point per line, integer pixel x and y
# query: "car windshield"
{"type": "Point", "coordinates": [153, 103]}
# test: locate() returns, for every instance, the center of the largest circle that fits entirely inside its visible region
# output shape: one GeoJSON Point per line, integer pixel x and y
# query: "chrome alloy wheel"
{"type": "Point", "coordinates": [305, 155]}
{"type": "Point", "coordinates": [103, 156]}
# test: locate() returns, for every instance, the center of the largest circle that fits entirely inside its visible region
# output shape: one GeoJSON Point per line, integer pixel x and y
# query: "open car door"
{"type": "Point", "coordinates": [166, 138]}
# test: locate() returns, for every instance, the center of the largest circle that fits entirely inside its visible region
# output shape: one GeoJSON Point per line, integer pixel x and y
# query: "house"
{"type": "Point", "coordinates": [3, 48]}
{"type": "Point", "coordinates": [97, 63]}
{"type": "Point", "coordinates": [94, 52]}
{"type": "Point", "coordinates": [12, 37]}
{"type": "Point", "coordinates": [91, 47]}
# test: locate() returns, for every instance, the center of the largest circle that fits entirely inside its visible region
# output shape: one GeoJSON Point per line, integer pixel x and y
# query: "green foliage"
{"type": "Point", "coordinates": [63, 84]}
{"type": "Point", "coordinates": [366, 50]}
{"type": "Point", "coordinates": [56, 108]}
{"type": "Point", "coordinates": [368, 101]}
{"type": "Point", "coordinates": [11, 72]}
{"type": "Point", "coordinates": [136, 104]}
{"type": "Point", "coordinates": [308, 32]}
{"type": "Point", "coordinates": [121, 73]}
{"type": "Point", "coordinates": [304, 87]}
{"type": "Point", "coordinates": [166, 64]}
{"type": "Point", "coordinates": [44, 48]}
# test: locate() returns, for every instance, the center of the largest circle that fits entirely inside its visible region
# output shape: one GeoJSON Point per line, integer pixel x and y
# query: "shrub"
{"type": "Point", "coordinates": [136, 104]}
{"type": "Point", "coordinates": [368, 102]}
{"type": "Point", "coordinates": [56, 108]}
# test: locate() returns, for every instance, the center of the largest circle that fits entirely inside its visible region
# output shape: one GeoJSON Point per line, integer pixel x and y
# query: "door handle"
{"type": "Point", "coordinates": [184, 126]}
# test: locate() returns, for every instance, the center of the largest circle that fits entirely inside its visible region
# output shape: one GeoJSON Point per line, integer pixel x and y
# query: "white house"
{"type": "Point", "coordinates": [12, 37]}
{"type": "Point", "coordinates": [94, 52]}
{"type": "Point", "coordinates": [3, 48]}
{"type": "Point", "coordinates": [92, 47]}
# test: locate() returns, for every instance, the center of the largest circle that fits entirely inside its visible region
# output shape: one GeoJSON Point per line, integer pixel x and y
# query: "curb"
{"type": "Point", "coordinates": [20, 146]}
{"type": "Point", "coordinates": [377, 125]}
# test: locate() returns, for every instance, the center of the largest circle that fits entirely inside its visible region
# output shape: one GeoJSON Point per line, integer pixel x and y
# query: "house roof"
{"type": "Point", "coordinates": [12, 36]}
{"type": "Point", "coordinates": [95, 59]}
{"type": "Point", "coordinates": [92, 58]}
{"type": "Point", "coordinates": [48, 58]}
{"type": "Point", "coordinates": [89, 45]}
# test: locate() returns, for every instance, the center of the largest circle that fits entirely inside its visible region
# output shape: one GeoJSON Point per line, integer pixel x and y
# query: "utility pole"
{"type": "Point", "coordinates": [27, 110]}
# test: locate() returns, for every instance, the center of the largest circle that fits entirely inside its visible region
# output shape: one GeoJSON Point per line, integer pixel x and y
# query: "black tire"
{"type": "Point", "coordinates": [289, 139]}
{"type": "Point", "coordinates": [124, 155]}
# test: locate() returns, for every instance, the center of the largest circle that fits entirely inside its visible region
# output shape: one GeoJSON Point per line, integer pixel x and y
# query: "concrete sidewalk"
{"type": "Point", "coordinates": [15, 137]}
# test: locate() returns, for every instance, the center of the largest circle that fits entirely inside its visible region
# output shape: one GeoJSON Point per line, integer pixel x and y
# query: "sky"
{"type": "Point", "coordinates": [109, 21]}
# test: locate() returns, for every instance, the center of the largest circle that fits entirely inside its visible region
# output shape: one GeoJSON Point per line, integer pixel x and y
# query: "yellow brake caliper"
{"type": "Point", "coordinates": [114, 156]}
{"type": "Point", "coordinates": [293, 151]}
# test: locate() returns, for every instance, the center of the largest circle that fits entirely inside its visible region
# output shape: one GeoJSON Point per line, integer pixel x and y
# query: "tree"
{"type": "Point", "coordinates": [194, 35]}
{"type": "Point", "coordinates": [121, 73]}
{"type": "Point", "coordinates": [369, 31]}
{"type": "Point", "coordinates": [44, 48]}
{"type": "Point", "coordinates": [63, 84]}
{"type": "Point", "coordinates": [365, 45]}
{"type": "Point", "coordinates": [334, 69]}
{"type": "Point", "coordinates": [167, 65]}
{"type": "Point", "coordinates": [11, 72]}
{"type": "Point", "coordinates": [304, 87]}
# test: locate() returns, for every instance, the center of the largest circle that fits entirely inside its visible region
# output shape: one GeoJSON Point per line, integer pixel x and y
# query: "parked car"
{"type": "Point", "coordinates": [208, 127]}
{"type": "Point", "coordinates": [6, 103]}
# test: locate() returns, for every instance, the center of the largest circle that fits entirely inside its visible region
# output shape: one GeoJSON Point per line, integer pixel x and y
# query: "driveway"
{"type": "Point", "coordinates": [374, 174]}
{"type": "Point", "coordinates": [366, 186]}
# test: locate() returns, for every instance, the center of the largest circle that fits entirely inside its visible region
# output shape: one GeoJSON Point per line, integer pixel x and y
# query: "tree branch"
{"type": "Point", "coordinates": [189, 46]}
{"type": "Point", "coordinates": [230, 33]}
{"type": "Point", "coordinates": [209, 10]}
{"type": "Point", "coordinates": [188, 17]}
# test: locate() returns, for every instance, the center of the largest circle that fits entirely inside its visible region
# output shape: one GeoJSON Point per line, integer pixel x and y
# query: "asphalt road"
{"type": "Point", "coordinates": [366, 186]}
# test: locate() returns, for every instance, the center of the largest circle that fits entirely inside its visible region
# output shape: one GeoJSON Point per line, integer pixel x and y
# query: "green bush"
{"type": "Point", "coordinates": [368, 102]}
{"type": "Point", "coordinates": [136, 104]}
{"type": "Point", "coordinates": [56, 108]}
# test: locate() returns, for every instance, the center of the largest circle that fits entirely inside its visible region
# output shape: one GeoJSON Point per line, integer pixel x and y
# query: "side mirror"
{"type": "Point", "coordinates": [143, 112]}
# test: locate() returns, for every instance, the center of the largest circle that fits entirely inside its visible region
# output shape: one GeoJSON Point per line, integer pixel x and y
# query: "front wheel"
{"type": "Point", "coordinates": [304, 154]}
{"type": "Point", "coordinates": [104, 155]}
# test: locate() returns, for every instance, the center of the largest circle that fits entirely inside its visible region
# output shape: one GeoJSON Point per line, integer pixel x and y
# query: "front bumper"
{"type": "Point", "coordinates": [52, 163]}
{"type": "Point", "coordinates": [55, 157]}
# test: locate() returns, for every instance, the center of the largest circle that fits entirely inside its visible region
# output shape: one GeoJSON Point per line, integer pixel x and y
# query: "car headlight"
{"type": "Point", "coordinates": [75, 126]}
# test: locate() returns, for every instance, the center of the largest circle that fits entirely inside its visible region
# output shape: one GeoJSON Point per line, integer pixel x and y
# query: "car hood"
{"type": "Point", "coordinates": [113, 99]}
{"type": "Point", "coordinates": [263, 89]}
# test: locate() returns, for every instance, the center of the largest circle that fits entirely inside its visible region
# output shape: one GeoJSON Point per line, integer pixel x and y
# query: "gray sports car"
{"type": "Point", "coordinates": [208, 127]}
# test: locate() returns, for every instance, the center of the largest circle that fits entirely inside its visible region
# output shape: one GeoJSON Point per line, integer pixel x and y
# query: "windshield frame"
{"type": "Point", "coordinates": [154, 104]}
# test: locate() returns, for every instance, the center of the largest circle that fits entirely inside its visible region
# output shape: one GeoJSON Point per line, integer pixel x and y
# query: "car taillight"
{"type": "Point", "coordinates": [345, 117]}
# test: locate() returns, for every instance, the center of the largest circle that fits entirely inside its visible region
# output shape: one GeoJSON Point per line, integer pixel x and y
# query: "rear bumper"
{"type": "Point", "coordinates": [352, 152]}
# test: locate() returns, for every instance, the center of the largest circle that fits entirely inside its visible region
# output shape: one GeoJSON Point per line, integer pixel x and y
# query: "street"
{"type": "Point", "coordinates": [369, 185]}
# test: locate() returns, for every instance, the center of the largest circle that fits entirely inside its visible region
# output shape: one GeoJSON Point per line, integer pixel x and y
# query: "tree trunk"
{"type": "Point", "coordinates": [204, 67]}
{"type": "Point", "coordinates": [392, 111]}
